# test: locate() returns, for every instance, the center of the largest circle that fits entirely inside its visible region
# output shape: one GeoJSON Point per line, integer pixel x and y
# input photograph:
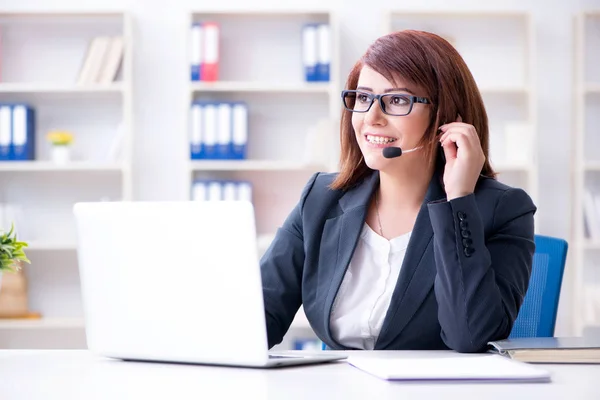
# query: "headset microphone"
{"type": "Point", "coordinates": [393, 152]}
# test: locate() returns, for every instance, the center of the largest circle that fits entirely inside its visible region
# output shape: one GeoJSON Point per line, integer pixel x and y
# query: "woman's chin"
{"type": "Point", "coordinates": [377, 161]}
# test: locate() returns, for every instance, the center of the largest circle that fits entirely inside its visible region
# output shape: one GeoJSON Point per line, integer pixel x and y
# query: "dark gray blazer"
{"type": "Point", "coordinates": [462, 281]}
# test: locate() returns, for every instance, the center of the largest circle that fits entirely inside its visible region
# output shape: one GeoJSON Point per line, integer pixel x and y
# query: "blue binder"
{"type": "Point", "coordinates": [324, 52]}
{"type": "Point", "coordinates": [244, 191]}
{"type": "Point", "coordinates": [23, 133]}
{"type": "Point", "coordinates": [224, 131]}
{"type": "Point", "coordinates": [199, 190]}
{"type": "Point", "coordinates": [196, 51]}
{"type": "Point", "coordinates": [210, 131]}
{"type": "Point", "coordinates": [196, 116]}
{"type": "Point", "coordinates": [239, 126]}
{"type": "Point", "coordinates": [310, 52]}
{"type": "Point", "coordinates": [5, 132]}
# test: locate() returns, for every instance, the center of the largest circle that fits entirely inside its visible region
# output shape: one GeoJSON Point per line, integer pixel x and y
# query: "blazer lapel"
{"type": "Point", "coordinates": [417, 274]}
{"type": "Point", "coordinates": [340, 236]}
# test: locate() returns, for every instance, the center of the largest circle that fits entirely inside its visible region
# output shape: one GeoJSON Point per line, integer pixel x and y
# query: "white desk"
{"type": "Point", "coordinates": [74, 374]}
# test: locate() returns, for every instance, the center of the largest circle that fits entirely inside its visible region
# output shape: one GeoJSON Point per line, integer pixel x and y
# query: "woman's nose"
{"type": "Point", "coordinates": [375, 115]}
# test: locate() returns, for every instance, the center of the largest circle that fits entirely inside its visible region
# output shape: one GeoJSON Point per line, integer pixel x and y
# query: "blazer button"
{"type": "Point", "coordinates": [461, 215]}
{"type": "Point", "coordinates": [465, 233]}
{"type": "Point", "coordinates": [467, 242]}
{"type": "Point", "coordinates": [463, 224]}
{"type": "Point", "coordinates": [469, 251]}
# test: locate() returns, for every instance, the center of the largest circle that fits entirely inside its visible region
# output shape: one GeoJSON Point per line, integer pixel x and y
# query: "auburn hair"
{"type": "Point", "coordinates": [427, 60]}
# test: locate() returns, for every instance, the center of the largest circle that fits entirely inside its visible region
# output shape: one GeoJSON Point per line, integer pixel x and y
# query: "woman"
{"type": "Point", "coordinates": [422, 251]}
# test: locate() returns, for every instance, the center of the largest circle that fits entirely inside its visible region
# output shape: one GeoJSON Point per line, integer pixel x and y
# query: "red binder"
{"type": "Point", "coordinates": [210, 66]}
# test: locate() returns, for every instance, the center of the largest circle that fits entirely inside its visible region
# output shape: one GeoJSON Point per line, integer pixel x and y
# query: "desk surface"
{"type": "Point", "coordinates": [74, 374]}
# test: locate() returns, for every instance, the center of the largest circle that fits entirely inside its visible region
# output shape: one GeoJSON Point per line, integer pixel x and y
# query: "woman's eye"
{"type": "Point", "coordinates": [399, 100]}
{"type": "Point", "coordinates": [363, 98]}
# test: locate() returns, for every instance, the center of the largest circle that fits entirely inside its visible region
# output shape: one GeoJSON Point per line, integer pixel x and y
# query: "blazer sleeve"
{"type": "Point", "coordinates": [481, 282]}
{"type": "Point", "coordinates": [281, 272]}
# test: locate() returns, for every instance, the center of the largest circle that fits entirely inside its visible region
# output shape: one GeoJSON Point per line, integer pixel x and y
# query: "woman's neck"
{"type": "Point", "coordinates": [404, 187]}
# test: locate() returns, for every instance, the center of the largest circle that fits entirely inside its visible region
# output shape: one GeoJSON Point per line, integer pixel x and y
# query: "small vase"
{"type": "Point", "coordinates": [60, 154]}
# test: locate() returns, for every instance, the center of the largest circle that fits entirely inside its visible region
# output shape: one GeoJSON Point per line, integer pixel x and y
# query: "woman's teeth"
{"type": "Point", "coordinates": [379, 139]}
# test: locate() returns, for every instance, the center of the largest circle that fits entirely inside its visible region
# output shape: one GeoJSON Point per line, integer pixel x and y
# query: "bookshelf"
{"type": "Point", "coordinates": [290, 120]}
{"type": "Point", "coordinates": [262, 87]}
{"type": "Point", "coordinates": [583, 270]}
{"type": "Point", "coordinates": [499, 48]}
{"type": "Point", "coordinates": [42, 53]}
{"type": "Point", "coordinates": [42, 324]}
{"type": "Point", "coordinates": [49, 88]}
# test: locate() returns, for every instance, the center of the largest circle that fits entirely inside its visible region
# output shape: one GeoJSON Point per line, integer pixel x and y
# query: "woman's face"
{"type": "Point", "coordinates": [375, 130]}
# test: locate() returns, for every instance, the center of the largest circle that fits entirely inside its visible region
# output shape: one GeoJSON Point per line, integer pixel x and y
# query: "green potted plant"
{"type": "Point", "coordinates": [11, 252]}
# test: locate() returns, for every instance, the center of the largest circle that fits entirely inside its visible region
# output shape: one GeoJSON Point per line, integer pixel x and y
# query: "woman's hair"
{"type": "Point", "coordinates": [426, 60]}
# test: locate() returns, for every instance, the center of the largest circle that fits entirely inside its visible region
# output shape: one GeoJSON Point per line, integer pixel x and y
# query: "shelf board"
{"type": "Point", "coordinates": [591, 166]}
{"type": "Point", "coordinates": [257, 12]}
{"type": "Point", "coordinates": [49, 246]}
{"type": "Point", "coordinates": [266, 87]}
{"type": "Point", "coordinates": [592, 88]}
{"type": "Point", "coordinates": [589, 244]}
{"type": "Point", "coordinates": [43, 323]}
{"type": "Point", "coordinates": [253, 165]}
{"type": "Point", "coordinates": [47, 166]}
{"type": "Point", "coordinates": [456, 14]}
{"type": "Point", "coordinates": [48, 88]}
{"type": "Point", "coordinates": [489, 89]}
{"type": "Point", "coordinates": [512, 167]}
{"type": "Point", "coordinates": [50, 13]}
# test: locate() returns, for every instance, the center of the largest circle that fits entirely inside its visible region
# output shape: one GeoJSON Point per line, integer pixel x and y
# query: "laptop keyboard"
{"type": "Point", "coordinates": [272, 356]}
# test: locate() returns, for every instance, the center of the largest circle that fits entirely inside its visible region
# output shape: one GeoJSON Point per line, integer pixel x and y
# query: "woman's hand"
{"type": "Point", "coordinates": [464, 158]}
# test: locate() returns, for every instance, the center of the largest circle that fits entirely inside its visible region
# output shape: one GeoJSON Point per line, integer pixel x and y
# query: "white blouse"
{"type": "Point", "coordinates": [366, 290]}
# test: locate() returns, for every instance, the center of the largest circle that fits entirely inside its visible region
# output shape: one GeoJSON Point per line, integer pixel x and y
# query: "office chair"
{"type": "Point", "coordinates": [537, 316]}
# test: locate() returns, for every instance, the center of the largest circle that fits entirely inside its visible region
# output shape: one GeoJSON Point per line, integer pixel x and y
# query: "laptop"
{"type": "Point", "coordinates": [175, 282]}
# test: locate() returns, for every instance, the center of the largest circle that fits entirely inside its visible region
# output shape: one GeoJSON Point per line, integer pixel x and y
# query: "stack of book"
{"type": "Point", "coordinates": [17, 132]}
{"type": "Point", "coordinates": [205, 51]}
{"type": "Point", "coordinates": [219, 131]}
{"type": "Point", "coordinates": [316, 52]}
{"type": "Point", "coordinates": [103, 60]}
{"type": "Point", "coordinates": [221, 190]}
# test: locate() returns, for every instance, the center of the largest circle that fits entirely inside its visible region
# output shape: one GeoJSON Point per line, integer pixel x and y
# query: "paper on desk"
{"type": "Point", "coordinates": [468, 367]}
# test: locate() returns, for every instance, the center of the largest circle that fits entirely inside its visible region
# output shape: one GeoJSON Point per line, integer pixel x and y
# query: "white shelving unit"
{"type": "Point", "coordinates": [42, 324]}
{"type": "Point", "coordinates": [261, 65]}
{"type": "Point", "coordinates": [49, 88]}
{"type": "Point", "coordinates": [263, 87]}
{"type": "Point", "coordinates": [253, 165]}
{"type": "Point", "coordinates": [499, 48]}
{"type": "Point", "coordinates": [583, 270]}
{"type": "Point", "coordinates": [42, 53]}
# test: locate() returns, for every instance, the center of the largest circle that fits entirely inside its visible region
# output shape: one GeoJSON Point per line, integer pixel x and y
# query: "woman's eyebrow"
{"type": "Point", "coordinates": [399, 90]}
{"type": "Point", "coordinates": [387, 90]}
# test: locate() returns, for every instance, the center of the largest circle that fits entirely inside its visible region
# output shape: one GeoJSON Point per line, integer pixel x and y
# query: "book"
{"type": "Point", "coordinates": [112, 60]}
{"type": "Point", "coordinates": [563, 350]}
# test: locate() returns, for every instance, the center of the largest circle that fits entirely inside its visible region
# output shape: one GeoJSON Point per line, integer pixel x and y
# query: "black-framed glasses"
{"type": "Point", "coordinates": [395, 104]}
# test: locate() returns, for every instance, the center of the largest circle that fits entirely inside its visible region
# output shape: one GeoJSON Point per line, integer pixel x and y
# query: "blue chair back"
{"type": "Point", "coordinates": [537, 316]}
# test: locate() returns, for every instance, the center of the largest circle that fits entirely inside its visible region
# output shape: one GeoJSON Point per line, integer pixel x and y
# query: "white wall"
{"type": "Point", "coordinates": [161, 85]}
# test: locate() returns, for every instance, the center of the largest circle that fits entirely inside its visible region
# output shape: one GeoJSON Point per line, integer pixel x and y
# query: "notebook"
{"type": "Point", "coordinates": [479, 367]}
{"type": "Point", "coordinates": [551, 349]}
